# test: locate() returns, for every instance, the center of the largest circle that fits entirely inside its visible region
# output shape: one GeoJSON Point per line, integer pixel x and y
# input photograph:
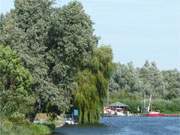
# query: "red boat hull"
{"type": "Point", "coordinates": [154, 115]}
{"type": "Point", "coordinates": [160, 115]}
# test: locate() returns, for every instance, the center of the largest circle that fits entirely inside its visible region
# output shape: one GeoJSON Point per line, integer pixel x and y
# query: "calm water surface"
{"type": "Point", "coordinates": [128, 126]}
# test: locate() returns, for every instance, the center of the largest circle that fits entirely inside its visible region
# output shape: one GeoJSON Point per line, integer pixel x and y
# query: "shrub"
{"type": "Point", "coordinates": [8, 127]}
{"type": "Point", "coordinates": [166, 106]}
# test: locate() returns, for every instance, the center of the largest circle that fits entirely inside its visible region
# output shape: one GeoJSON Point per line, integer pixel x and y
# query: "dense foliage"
{"type": "Point", "coordinates": [15, 81]}
{"type": "Point", "coordinates": [129, 83]}
{"type": "Point", "coordinates": [25, 30]}
{"type": "Point", "coordinates": [58, 47]}
{"type": "Point", "coordinates": [92, 89]}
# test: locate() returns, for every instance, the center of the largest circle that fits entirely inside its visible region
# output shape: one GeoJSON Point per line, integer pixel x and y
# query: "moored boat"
{"type": "Point", "coordinates": [158, 114]}
{"type": "Point", "coordinates": [153, 114]}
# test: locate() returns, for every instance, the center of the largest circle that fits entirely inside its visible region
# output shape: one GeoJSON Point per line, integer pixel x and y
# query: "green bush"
{"type": "Point", "coordinates": [176, 104]}
{"type": "Point", "coordinates": [8, 127]}
{"type": "Point", "coordinates": [40, 129]}
{"type": "Point", "coordinates": [166, 106]}
{"type": "Point", "coordinates": [159, 105]}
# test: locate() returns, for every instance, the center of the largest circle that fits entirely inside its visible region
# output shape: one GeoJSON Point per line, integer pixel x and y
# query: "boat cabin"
{"type": "Point", "coordinates": [116, 108]}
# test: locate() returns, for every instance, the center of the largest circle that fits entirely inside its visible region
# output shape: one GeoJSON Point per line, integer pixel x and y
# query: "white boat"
{"type": "Point", "coordinates": [69, 121]}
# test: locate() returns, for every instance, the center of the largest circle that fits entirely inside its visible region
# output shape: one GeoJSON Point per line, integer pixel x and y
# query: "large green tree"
{"type": "Point", "coordinates": [92, 85]}
{"type": "Point", "coordinates": [86, 98]}
{"type": "Point", "coordinates": [152, 77]}
{"type": "Point", "coordinates": [125, 77]}
{"type": "Point", "coordinates": [172, 83]}
{"type": "Point", "coordinates": [53, 43]}
{"type": "Point", "coordinates": [25, 30]}
{"type": "Point", "coordinates": [15, 81]}
{"type": "Point", "coordinates": [71, 42]}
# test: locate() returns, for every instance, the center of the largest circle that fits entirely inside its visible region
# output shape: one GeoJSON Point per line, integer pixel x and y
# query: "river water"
{"type": "Point", "coordinates": [127, 126]}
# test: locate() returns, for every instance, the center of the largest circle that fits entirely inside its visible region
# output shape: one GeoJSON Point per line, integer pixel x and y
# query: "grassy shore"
{"type": "Point", "coordinates": [8, 127]}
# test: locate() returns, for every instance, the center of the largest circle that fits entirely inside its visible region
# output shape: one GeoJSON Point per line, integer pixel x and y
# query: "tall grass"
{"type": "Point", "coordinates": [11, 128]}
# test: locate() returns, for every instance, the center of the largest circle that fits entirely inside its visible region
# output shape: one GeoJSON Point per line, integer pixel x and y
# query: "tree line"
{"type": "Point", "coordinates": [50, 61]}
{"type": "Point", "coordinates": [130, 83]}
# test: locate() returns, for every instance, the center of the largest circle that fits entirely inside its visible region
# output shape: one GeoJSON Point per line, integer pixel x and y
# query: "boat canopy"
{"type": "Point", "coordinates": [118, 104]}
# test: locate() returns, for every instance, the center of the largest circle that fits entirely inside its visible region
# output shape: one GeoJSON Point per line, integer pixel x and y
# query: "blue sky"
{"type": "Point", "coordinates": [137, 30]}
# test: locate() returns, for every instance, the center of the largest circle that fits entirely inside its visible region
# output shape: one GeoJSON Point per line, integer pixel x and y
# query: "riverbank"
{"type": "Point", "coordinates": [8, 127]}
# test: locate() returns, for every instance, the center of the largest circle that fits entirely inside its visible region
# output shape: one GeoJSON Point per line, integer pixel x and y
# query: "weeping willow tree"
{"type": "Point", "coordinates": [87, 98]}
{"type": "Point", "coordinates": [93, 84]}
{"type": "Point", "coordinates": [102, 67]}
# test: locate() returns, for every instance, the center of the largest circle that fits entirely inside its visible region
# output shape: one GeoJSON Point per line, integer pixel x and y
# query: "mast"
{"type": "Point", "coordinates": [144, 107]}
{"type": "Point", "coordinates": [149, 106]}
{"type": "Point", "coordinates": [108, 95]}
